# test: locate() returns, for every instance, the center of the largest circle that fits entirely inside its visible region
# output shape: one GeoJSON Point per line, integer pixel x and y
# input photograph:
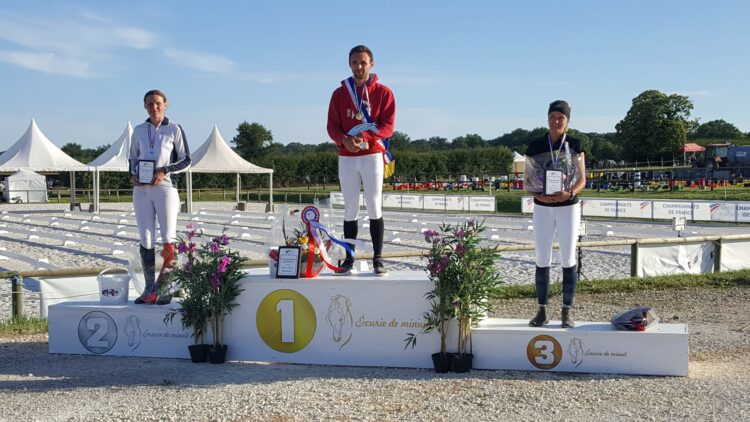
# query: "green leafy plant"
{"type": "Point", "coordinates": [209, 276]}
{"type": "Point", "coordinates": [464, 277]}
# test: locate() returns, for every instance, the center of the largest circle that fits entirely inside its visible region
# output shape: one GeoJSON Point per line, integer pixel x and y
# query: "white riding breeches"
{"type": "Point", "coordinates": [566, 220]}
{"type": "Point", "coordinates": [366, 170]}
{"type": "Point", "coordinates": [152, 203]}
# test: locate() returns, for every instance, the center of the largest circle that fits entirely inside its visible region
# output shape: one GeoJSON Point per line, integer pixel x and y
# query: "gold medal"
{"type": "Point", "coordinates": [359, 116]}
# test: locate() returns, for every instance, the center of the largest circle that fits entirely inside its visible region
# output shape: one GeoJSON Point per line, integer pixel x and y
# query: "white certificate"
{"type": "Point", "coordinates": [288, 262]}
{"type": "Point", "coordinates": [552, 181]}
{"type": "Point", "coordinates": [145, 171]}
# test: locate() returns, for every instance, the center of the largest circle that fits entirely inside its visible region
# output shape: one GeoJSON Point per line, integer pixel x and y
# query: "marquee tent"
{"type": "Point", "coordinates": [35, 152]}
{"type": "Point", "coordinates": [115, 158]}
{"type": "Point", "coordinates": [25, 186]}
{"type": "Point", "coordinates": [519, 163]}
{"type": "Point", "coordinates": [690, 148]}
{"type": "Point", "coordinates": [216, 156]}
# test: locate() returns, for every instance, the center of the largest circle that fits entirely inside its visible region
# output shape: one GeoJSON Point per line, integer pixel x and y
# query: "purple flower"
{"type": "Point", "coordinates": [191, 231]}
{"type": "Point", "coordinates": [214, 247]}
{"type": "Point", "coordinates": [188, 266]}
{"type": "Point", "coordinates": [223, 262]}
{"type": "Point", "coordinates": [182, 247]}
{"type": "Point", "coordinates": [215, 281]}
{"type": "Point", "coordinates": [460, 249]}
{"type": "Point", "coordinates": [431, 235]}
{"type": "Point", "coordinates": [459, 234]}
{"type": "Point", "coordinates": [221, 240]}
{"type": "Point", "coordinates": [191, 247]}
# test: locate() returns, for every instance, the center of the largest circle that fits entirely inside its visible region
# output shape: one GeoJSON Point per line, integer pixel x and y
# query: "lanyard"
{"type": "Point", "coordinates": [555, 158]}
{"type": "Point", "coordinates": [152, 138]}
{"type": "Point", "coordinates": [363, 113]}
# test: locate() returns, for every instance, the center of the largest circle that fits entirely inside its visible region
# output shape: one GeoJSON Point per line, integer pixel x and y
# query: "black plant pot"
{"type": "Point", "coordinates": [198, 352]}
{"type": "Point", "coordinates": [441, 362]}
{"type": "Point", "coordinates": [217, 354]}
{"type": "Point", "coordinates": [461, 363]}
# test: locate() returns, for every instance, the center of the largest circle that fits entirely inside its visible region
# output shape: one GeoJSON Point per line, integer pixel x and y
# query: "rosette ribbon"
{"type": "Point", "coordinates": [311, 218]}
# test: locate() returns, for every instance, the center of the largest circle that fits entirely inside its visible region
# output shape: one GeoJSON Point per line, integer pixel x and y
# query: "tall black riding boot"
{"type": "Point", "coordinates": [540, 318]}
{"type": "Point", "coordinates": [351, 230]}
{"type": "Point", "coordinates": [566, 321]}
{"type": "Point", "coordinates": [541, 280]}
{"type": "Point", "coordinates": [148, 259]}
{"type": "Point", "coordinates": [377, 230]}
{"type": "Point", "coordinates": [570, 280]}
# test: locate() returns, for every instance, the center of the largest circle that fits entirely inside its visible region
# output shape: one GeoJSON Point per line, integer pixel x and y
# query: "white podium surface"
{"type": "Point", "coordinates": [363, 320]}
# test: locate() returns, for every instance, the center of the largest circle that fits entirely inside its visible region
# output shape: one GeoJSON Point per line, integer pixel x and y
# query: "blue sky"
{"type": "Point", "coordinates": [487, 67]}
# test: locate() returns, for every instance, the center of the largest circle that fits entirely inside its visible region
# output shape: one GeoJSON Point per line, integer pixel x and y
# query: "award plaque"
{"type": "Point", "coordinates": [288, 266]}
{"type": "Point", "coordinates": [146, 171]}
{"type": "Point", "coordinates": [553, 181]}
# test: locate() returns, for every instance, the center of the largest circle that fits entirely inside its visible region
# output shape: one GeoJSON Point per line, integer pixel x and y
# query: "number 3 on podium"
{"type": "Point", "coordinates": [286, 321]}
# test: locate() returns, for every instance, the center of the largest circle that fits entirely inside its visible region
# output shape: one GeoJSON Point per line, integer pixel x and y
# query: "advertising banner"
{"type": "Point", "coordinates": [391, 200]}
{"type": "Point", "coordinates": [482, 204]}
{"type": "Point", "coordinates": [412, 202]}
{"type": "Point", "coordinates": [634, 209]}
{"type": "Point", "coordinates": [743, 212]}
{"type": "Point", "coordinates": [599, 207]}
{"type": "Point", "coordinates": [723, 211]}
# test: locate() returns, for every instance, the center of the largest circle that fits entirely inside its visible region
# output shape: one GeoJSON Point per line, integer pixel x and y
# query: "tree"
{"type": "Point", "coordinates": [437, 143]}
{"type": "Point", "coordinates": [604, 149]}
{"type": "Point", "coordinates": [655, 127]}
{"type": "Point", "coordinates": [468, 141]}
{"type": "Point", "coordinates": [252, 140]}
{"type": "Point", "coordinates": [400, 141]}
{"type": "Point", "coordinates": [717, 129]}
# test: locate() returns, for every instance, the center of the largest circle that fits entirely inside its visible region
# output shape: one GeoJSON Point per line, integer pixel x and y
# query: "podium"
{"type": "Point", "coordinates": [363, 320]}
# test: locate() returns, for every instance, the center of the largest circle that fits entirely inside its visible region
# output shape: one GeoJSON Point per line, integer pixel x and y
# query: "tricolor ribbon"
{"type": "Point", "coordinates": [389, 163]}
{"type": "Point", "coordinates": [311, 218]}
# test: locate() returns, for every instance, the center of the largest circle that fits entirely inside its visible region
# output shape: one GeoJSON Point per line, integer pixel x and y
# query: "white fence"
{"type": "Point", "coordinates": [725, 211]}
{"type": "Point", "coordinates": [429, 202]}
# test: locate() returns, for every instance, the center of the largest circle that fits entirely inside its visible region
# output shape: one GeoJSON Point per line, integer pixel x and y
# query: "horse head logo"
{"type": "Point", "coordinates": [339, 317]}
{"type": "Point", "coordinates": [575, 350]}
{"type": "Point", "coordinates": [133, 331]}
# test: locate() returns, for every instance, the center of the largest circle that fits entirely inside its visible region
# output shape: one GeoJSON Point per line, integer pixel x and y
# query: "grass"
{"type": "Point", "coordinates": [681, 281]}
{"type": "Point", "coordinates": [22, 326]}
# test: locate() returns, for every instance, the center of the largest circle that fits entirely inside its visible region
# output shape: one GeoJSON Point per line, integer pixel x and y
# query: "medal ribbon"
{"type": "Point", "coordinates": [389, 163]}
{"type": "Point", "coordinates": [310, 216]}
{"type": "Point", "coordinates": [556, 158]}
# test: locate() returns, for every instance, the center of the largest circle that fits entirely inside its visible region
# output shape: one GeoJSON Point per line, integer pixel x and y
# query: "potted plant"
{"type": "Point", "coordinates": [209, 276]}
{"type": "Point", "coordinates": [464, 278]}
{"type": "Point", "coordinates": [475, 280]}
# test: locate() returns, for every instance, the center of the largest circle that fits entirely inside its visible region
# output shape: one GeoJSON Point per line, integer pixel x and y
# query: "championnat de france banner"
{"type": "Point", "coordinates": [732, 212]}
{"type": "Point", "coordinates": [429, 202]}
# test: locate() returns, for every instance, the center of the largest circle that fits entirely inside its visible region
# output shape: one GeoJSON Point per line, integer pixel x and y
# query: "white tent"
{"type": "Point", "coordinates": [216, 156]}
{"type": "Point", "coordinates": [35, 152]}
{"type": "Point", "coordinates": [115, 158]}
{"type": "Point", "coordinates": [25, 186]}
{"type": "Point", "coordinates": [519, 163]}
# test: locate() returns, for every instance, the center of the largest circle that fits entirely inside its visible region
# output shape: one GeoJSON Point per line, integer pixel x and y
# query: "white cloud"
{"type": "Point", "coordinates": [49, 63]}
{"type": "Point", "coordinates": [204, 62]}
{"type": "Point", "coordinates": [75, 45]}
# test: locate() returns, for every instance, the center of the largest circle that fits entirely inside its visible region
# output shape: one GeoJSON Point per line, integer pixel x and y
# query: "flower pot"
{"type": "Point", "coordinates": [461, 363]}
{"type": "Point", "coordinates": [198, 352]}
{"type": "Point", "coordinates": [217, 354]}
{"type": "Point", "coordinates": [441, 362]}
